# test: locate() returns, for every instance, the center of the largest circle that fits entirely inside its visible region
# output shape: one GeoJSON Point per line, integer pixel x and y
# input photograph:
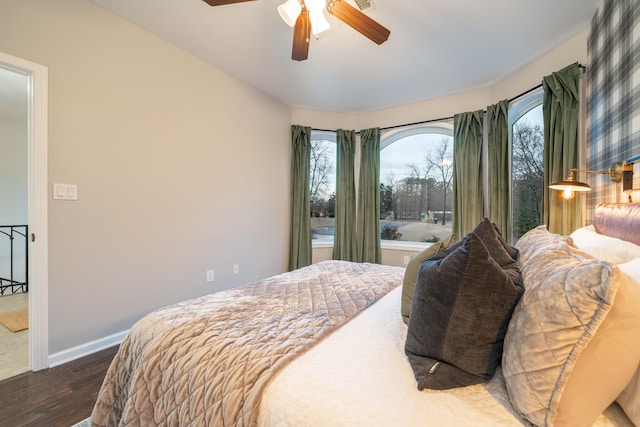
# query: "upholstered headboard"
{"type": "Point", "coordinates": [621, 220]}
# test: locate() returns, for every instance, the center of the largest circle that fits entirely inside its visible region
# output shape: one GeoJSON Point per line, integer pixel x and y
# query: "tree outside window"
{"type": "Point", "coordinates": [322, 189]}
{"type": "Point", "coordinates": [415, 191]}
{"type": "Point", "coordinates": [527, 178]}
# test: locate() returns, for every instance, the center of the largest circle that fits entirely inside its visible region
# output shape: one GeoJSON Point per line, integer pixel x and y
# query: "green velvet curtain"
{"type": "Point", "coordinates": [560, 110]}
{"type": "Point", "coordinates": [499, 182]}
{"type": "Point", "coordinates": [300, 243]}
{"type": "Point", "coordinates": [468, 206]}
{"type": "Point", "coordinates": [344, 239]}
{"type": "Point", "coordinates": [369, 197]}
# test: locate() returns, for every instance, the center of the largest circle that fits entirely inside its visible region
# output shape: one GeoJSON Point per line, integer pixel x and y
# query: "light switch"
{"type": "Point", "coordinates": [65, 191]}
{"type": "Point", "coordinates": [72, 192]}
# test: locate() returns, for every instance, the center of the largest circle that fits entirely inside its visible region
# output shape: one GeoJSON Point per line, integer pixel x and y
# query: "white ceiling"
{"type": "Point", "coordinates": [436, 47]}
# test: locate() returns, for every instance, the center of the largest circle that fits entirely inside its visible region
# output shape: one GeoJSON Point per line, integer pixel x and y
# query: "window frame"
{"type": "Point", "coordinates": [329, 137]}
{"type": "Point", "coordinates": [441, 127]}
{"type": "Point", "coordinates": [388, 137]}
{"type": "Point", "coordinates": [518, 109]}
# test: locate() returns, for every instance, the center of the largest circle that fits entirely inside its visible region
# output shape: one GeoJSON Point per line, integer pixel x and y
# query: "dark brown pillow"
{"type": "Point", "coordinates": [459, 316]}
{"type": "Point", "coordinates": [503, 253]}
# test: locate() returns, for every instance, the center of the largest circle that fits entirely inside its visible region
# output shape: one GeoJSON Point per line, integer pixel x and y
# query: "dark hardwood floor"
{"type": "Point", "coordinates": [56, 397]}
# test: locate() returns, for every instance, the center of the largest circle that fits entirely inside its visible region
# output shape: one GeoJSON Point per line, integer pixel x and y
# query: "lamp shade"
{"type": "Point", "coordinates": [289, 11]}
{"type": "Point", "coordinates": [315, 5]}
{"type": "Point", "coordinates": [570, 185]}
{"type": "Point", "coordinates": [318, 22]}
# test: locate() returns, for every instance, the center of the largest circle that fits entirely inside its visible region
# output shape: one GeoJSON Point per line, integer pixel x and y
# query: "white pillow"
{"type": "Point", "coordinates": [632, 268]}
{"type": "Point", "coordinates": [605, 248]}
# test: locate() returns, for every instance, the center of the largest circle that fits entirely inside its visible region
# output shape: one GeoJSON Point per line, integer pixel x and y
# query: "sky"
{"type": "Point", "coordinates": [395, 157]}
{"type": "Point", "coordinates": [534, 116]}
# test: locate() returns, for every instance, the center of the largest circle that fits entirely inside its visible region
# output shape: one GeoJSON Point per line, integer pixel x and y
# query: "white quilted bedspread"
{"type": "Point", "coordinates": [206, 361]}
{"type": "Point", "coordinates": [359, 376]}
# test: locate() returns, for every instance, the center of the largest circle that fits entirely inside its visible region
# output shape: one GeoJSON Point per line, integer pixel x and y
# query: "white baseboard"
{"type": "Point", "coordinates": [82, 350]}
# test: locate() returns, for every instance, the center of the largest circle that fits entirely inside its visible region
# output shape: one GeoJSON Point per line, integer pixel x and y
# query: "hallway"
{"type": "Point", "coordinates": [14, 346]}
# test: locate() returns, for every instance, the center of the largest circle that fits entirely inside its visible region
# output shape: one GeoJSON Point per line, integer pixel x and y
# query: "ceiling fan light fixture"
{"type": "Point", "coordinates": [289, 11]}
{"type": "Point", "coordinates": [319, 22]}
{"type": "Point", "coordinates": [306, 17]}
{"type": "Point", "coordinates": [315, 5]}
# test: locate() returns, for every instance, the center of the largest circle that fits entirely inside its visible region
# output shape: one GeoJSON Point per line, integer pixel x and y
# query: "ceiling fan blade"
{"type": "Point", "coordinates": [358, 21]}
{"type": "Point", "coordinates": [223, 2]}
{"type": "Point", "coordinates": [301, 33]}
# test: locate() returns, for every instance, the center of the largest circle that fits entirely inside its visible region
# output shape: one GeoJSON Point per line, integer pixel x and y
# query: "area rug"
{"type": "Point", "coordinates": [15, 321]}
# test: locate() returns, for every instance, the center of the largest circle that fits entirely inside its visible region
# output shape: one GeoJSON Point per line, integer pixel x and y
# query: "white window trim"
{"type": "Point", "coordinates": [323, 136]}
{"type": "Point", "coordinates": [389, 137]}
{"type": "Point", "coordinates": [522, 106]}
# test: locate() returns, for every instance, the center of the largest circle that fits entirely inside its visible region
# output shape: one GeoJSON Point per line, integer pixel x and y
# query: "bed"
{"type": "Point", "coordinates": [326, 345]}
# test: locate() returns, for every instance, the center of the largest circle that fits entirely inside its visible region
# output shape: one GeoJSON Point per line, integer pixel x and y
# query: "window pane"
{"type": "Point", "coordinates": [322, 189]}
{"type": "Point", "coordinates": [415, 188]}
{"type": "Point", "coordinates": [528, 149]}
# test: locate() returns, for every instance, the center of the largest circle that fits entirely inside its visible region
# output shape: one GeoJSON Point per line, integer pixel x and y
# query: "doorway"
{"type": "Point", "coordinates": [32, 206]}
{"type": "Point", "coordinates": [14, 337]}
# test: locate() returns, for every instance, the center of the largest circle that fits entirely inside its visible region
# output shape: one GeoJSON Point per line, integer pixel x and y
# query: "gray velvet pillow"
{"type": "Point", "coordinates": [460, 312]}
{"type": "Point", "coordinates": [411, 273]}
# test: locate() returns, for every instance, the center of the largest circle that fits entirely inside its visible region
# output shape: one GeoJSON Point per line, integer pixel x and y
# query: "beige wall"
{"type": "Point", "coordinates": [572, 50]}
{"type": "Point", "coordinates": [180, 168]}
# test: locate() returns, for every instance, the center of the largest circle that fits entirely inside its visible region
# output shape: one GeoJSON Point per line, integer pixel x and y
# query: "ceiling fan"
{"type": "Point", "coordinates": [306, 18]}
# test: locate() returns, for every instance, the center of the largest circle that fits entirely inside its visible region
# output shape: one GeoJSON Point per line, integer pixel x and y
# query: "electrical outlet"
{"type": "Point", "coordinates": [236, 269]}
{"type": "Point", "coordinates": [210, 276]}
{"type": "Point", "coordinates": [406, 259]}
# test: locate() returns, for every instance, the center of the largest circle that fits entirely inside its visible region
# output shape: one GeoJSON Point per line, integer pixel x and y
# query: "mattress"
{"type": "Point", "coordinates": [359, 376]}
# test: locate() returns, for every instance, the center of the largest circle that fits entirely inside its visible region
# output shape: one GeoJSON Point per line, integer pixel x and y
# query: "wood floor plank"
{"type": "Point", "coordinates": [60, 396]}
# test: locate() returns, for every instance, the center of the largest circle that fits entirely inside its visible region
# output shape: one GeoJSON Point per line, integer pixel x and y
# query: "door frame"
{"type": "Point", "coordinates": [37, 131]}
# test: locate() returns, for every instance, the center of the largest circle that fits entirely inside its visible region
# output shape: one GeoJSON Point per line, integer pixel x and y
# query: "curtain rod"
{"type": "Point", "coordinates": [583, 69]}
{"type": "Point", "coordinates": [395, 126]}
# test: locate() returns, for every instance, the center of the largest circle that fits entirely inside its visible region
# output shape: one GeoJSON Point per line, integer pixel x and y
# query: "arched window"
{"type": "Point", "coordinates": [416, 170]}
{"type": "Point", "coordinates": [322, 186]}
{"type": "Point", "coordinates": [527, 145]}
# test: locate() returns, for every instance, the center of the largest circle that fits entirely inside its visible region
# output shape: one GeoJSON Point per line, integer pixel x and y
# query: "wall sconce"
{"type": "Point", "coordinates": [617, 172]}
